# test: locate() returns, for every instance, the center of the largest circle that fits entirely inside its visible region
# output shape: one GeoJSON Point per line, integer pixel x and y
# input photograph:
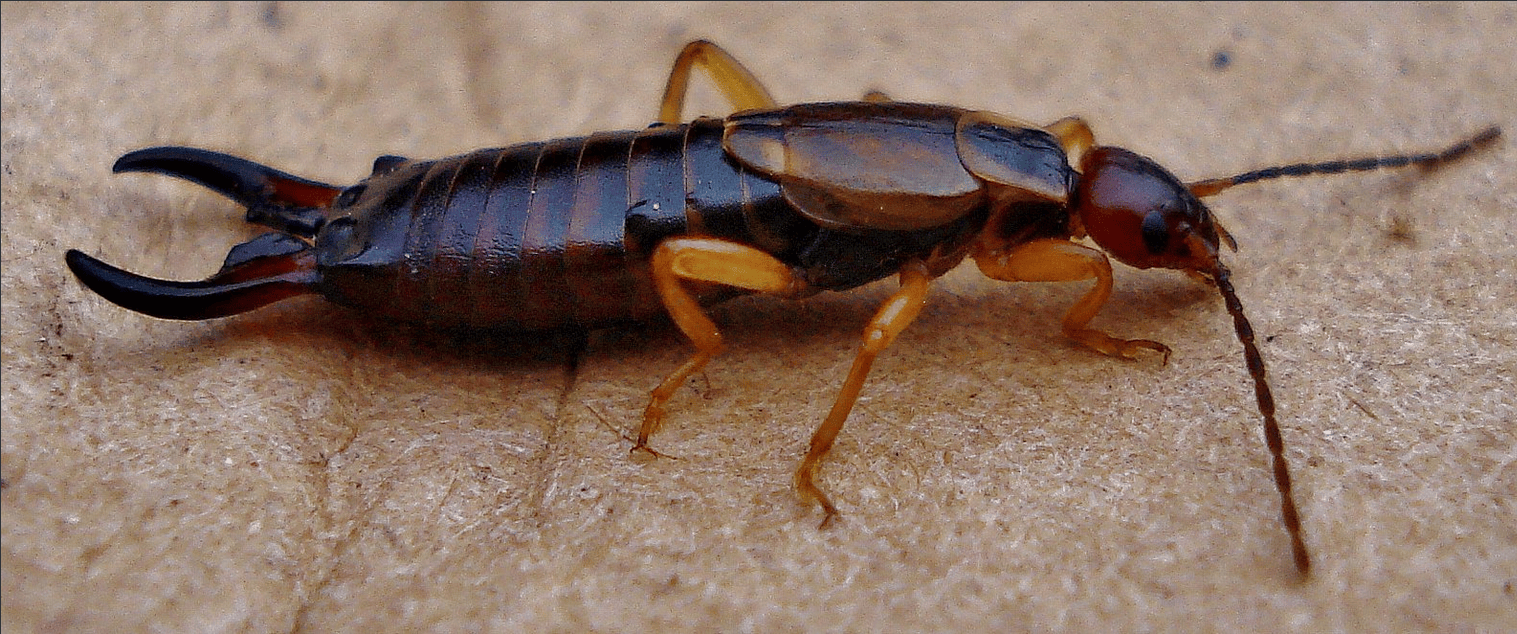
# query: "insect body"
{"type": "Point", "coordinates": [785, 201]}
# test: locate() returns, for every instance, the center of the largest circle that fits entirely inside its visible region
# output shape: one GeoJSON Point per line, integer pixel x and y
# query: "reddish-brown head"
{"type": "Point", "coordinates": [1142, 215]}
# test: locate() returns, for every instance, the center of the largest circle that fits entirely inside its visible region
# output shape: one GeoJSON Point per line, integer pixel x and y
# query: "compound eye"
{"type": "Point", "coordinates": [1155, 232]}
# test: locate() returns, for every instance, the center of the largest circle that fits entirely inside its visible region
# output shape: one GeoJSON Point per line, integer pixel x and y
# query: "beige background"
{"type": "Point", "coordinates": [301, 469]}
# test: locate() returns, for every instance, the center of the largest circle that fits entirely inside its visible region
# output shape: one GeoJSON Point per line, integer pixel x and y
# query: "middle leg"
{"type": "Point", "coordinates": [893, 316]}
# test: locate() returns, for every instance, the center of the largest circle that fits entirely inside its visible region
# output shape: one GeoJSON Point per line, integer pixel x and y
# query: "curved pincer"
{"type": "Point", "coordinates": [264, 270]}
{"type": "Point", "coordinates": [273, 198]}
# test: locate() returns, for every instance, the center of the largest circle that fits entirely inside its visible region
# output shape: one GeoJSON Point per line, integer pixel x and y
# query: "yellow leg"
{"type": "Point", "coordinates": [1057, 260]}
{"type": "Point", "coordinates": [897, 312]}
{"type": "Point", "coordinates": [705, 260]}
{"type": "Point", "coordinates": [1075, 135]}
{"type": "Point", "coordinates": [741, 88]}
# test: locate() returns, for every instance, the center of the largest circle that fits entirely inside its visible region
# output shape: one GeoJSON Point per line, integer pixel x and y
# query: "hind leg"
{"type": "Point", "coordinates": [704, 260]}
{"type": "Point", "coordinates": [741, 88]}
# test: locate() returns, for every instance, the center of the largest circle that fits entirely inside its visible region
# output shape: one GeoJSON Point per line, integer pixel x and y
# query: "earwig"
{"type": "Point", "coordinates": [594, 231]}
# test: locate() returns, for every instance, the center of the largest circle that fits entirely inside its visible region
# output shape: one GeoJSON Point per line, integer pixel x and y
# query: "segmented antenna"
{"type": "Point", "coordinates": [1288, 513]}
{"type": "Point", "coordinates": [1212, 186]}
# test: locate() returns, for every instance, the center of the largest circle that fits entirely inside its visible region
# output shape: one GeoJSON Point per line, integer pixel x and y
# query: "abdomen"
{"type": "Point", "coordinates": [545, 235]}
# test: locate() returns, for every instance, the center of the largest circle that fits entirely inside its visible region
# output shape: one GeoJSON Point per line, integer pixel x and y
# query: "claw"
{"type": "Point", "coordinates": [257, 280]}
{"type": "Point", "coordinates": [274, 199]}
{"type": "Point", "coordinates": [264, 270]}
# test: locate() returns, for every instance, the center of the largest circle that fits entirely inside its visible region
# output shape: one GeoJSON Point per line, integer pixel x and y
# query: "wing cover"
{"type": "Point", "coordinates": [859, 166]}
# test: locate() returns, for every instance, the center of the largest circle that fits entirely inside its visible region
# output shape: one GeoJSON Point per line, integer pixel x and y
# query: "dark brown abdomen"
{"type": "Point", "coordinates": [545, 235]}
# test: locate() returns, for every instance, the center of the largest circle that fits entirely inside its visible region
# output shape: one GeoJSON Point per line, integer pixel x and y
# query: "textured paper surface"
{"type": "Point", "coordinates": [302, 469]}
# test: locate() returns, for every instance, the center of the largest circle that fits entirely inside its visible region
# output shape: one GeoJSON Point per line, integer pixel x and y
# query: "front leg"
{"type": "Point", "coordinates": [1059, 260]}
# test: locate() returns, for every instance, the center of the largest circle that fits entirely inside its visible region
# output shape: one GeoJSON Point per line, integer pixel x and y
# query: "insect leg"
{"type": "Point", "coordinates": [1075, 135]}
{"type": "Point", "coordinates": [737, 83]}
{"type": "Point", "coordinates": [705, 260]}
{"type": "Point", "coordinates": [1057, 260]}
{"type": "Point", "coordinates": [893, 316]}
